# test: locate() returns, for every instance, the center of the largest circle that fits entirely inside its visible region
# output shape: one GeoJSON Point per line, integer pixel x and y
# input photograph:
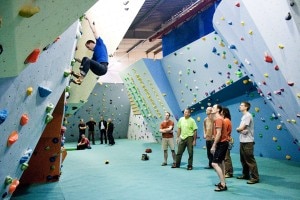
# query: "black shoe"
{"type": "Point", "coordinates": [190, 167]}
{"type": "Point", "coordinates": [243, 177]}
{"type": "Point", "coordinates": [175, 166]}
{"type": "Point", "coordinates": [253, 181]}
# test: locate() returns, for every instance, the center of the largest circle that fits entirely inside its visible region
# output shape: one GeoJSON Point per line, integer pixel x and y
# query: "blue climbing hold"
{"type": "Point", "coordinates": [3, 115]}
{"type": "Point", "coordinates": [44, 91]}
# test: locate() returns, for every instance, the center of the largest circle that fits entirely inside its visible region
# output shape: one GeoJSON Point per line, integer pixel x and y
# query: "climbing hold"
{"type": "Point", "coordinates": [245, 81]}
{"type": "Point", "coordinates": [49, 107]}
{"type": "Point", "coordinates": [52, 159]}
{"type": "Point", "coordinates": [13, 137]}
{"type": "Point", "coordinates": [222, 18]}
{"type": "Point", "coordinates": [291, 83]}
{"type": "Point", "coordinates": [266, 75]}
{"type": "Point", "coordinates": [237, 4]}
{"type": "Point", "coordinates": [280, 46]}
{"type": "Point", "coordinates": [250, 32]}
{"type": "Point", "coordinates": [8, 180]}
{"type": "Point", "coordinates": [279, 127]}
{"type": "Point", "coordinates": [206, 65]}
{"type": "Point", "coordinates": [232, 46]}
{"type": "Point", "coordinates": [106, 162]}
{"type": "Point", "coordinates": [49, 118]}
{"type": "Point", "coordinates": [268, 58]}
{"type": "Point", "coordinates": [55, 140]}
{"type": "Point", "coordinates": [288, 157]}
{"type": "Point", "coordinates": [229, 23]}
{"type": "Point", "coordinates": [24, 119]}
{"type": "Point", "coordinates": [52, 167]}
{"type": "Point", "coordinates": [260, 135]}
{"type": "Point", "coordinates": [3, 115]}
{"type": "Point", "coordinates": [276, 67]}
{"type": "Point", "coordinates": [289, 16]}
{"type": "Point", "coordinates": [256, 109]}
{"type": "Point", "coordinates": [43, 91]}
{"type": "Point", "coordinates": [242, 23]}
{"type": "Point", "coordinates": [221, 44]}
{"type": "Point", "coordinates": [33, 57]}
{"type": "Point", "coordinates": [24, 166]}
{"type": "Point", "coordinates": [278, 147]}
{"type": "Point", "coordinates": [1, 48]}
{"type": "Point", "coordinates": [292, 3]}
{"type": "Point", "coordinates": [13, 186]}
{"type": "Point", "coordinates": [67, 73]}
{"type": "Point", "coordinates": [214, 50]}
{"type": "Point", "coordinates": [198, 119]}
{"type": "Point", "coordinates": [29, 91]}
{"type": "Point", "coordinates": [28, 11]}
{"type": "Point", "coordinates": [266, 127]}
{"type": "Point", "coordinates": [274, 139]}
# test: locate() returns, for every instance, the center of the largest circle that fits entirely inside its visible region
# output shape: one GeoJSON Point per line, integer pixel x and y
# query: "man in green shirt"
{"type": "Point", "coordinates": [186, 138]}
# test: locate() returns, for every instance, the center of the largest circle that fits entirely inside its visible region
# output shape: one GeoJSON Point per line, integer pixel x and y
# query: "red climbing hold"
{"type": "Point", "coordinates": [13, 137]}
{"type": "Point", "coordinates": [32, 58]}
{"type": "Point", "coordinates": [276, 67]}
{"type": "Point", "coordinates": [268, 58]}
{"type": "Point", "coordinates": [24, 119]}
{"type": "Point", "coordinates": [13, 186]}
{"type": "Point", "coordinates": [237, 4]}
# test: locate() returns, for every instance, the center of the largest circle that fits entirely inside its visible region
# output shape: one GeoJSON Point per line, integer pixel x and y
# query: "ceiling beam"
{"type": "Point", "coordinates": [184, 16]}
{"type": "Point", "coordinates": [135, 45]}
{"type": "Point", "coordinates": [153, 48]}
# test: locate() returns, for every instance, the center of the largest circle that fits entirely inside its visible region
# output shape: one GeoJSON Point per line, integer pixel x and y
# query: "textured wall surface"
{"type": "Point", "coordinates": [47, 82]}
{"type": "Point", "coordinates": [108, 100]}
{"type": "Point", "coordinates": [267, 41]}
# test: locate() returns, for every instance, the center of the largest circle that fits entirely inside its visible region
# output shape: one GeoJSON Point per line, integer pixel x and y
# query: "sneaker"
{"type": "Point", "coordinates": [243, 177]}
{"type": "Point", "coordinates": [189, 167]}
{"type": "Point", "coordinates": [164, 164]}
{"type": "Point", "coordinates": [228, 175]}
{"type": "Point", "coordinates": [253, 181]}
{"type": "Point", "coordinates": [174, 166]}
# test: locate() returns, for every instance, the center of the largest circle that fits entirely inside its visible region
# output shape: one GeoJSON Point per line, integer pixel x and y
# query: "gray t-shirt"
{"type": "Point", "coordinates": [247, 135]}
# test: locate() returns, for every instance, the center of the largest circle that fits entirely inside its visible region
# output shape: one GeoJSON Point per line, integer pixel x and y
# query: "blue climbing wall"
{"type": "Point", "coordinates": [39, 86]}
{"type": "Point", "coordinates": [267, 42]}
{"type": "Point", "coordinates": [109, 100]}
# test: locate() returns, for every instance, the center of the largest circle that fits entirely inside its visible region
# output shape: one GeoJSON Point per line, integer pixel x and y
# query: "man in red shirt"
{"type": "Point", "coordinates": [166, 129]}
{"type": "Point", "coordinates": [84, 143]}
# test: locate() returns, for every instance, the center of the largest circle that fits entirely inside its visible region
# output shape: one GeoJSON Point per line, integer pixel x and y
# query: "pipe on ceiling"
{"type": "Point", "coordinates": [189, 12]}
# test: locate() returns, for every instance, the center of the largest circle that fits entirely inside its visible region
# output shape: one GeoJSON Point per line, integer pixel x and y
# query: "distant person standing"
{"type": "Point", "coordinates": [110, 131]}
{"type": "Point", "coordinates": [208, 136]}
{"type": "Point", "coordinates": [228, 128]}
{"type": "Point", "coordinates": [91, 128]}
{"type": "Point", "coordinates": [166, 129]}
{"type": "Point", "coordinates": [246, 131]}
{"type": "Point", "coordinates": [186, 138]}
{"type": "Point", "coordinates": [81, 127]}
{"type": "Point", "coordinates": [103, 128]}
{"type": "Point", "coordinates": [98, 63]}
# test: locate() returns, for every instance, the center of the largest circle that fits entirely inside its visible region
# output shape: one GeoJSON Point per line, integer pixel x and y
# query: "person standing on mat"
{"type": "Point", "coordinates": [166, 129]}
{"type": "Point", "coordinates": [102, 128]}
{"type": "Point", "coordinates": [219, 147]}
{"type": "Point", "coordinates": [186, 138]}
{"type": "Point", "coordinates": [208, 136]}
{"type": "Point", "coordinates": [91, 125]}
{"type": "Point", "coordinates": [110, 131]}
{"type": "Point", "coordinates": [81, 127]}
{"type": "Point", "coordinates": [246, 132]}
{"type": "Point", "coordinates": [98, 63]}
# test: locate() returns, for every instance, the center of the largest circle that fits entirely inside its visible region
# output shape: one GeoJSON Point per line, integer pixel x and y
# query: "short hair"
{"type": "Point", "coordinates": [188, 109]}
{"type": "Point", "coordinates": [89, 42]}
{"type": "Point", "coordinates": [168, 113]}
{"type": "Point", "coordinates": [247, 105]}
{"type": "Point", "coordinates": [219, 107]}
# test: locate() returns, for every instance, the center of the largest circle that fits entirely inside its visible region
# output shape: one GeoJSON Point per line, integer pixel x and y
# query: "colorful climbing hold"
{"type": "Point", "coordinates": [276, 67]}
{"type": "Point", "coordinates": [288, 157]}
{"type": "Point", "coordinates": [33, 57]}
{"type": "Point", "coordinates": [13, 137]}
{"type": "Point", "coordinates": [24, 166]}
{"type": "Point", "coordinates": [43, 91]}
{"type": "Point", "coordinates": [49, 118]}
{"type": "Point", "coordinates": [268, 58]}
{"type": "Point", "coordinates": [29, 91]}
{"type": "Point", "coordinates": [3, 115]}
{"type": "Point", "coordinates": [13, 186]}
{"type": "Point", "coordinates": [28, 11]}
{"type": "Point", "coordinates": [8, 180]}
{"type": "Point", "coordinates": [49, 107]}
{"type": "Point", "coordinates": [274, 139]}
{"type": "Point", "coordinates": [24, 119]}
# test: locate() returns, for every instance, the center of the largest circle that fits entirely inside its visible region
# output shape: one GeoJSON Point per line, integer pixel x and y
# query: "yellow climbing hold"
{"type": "Point", "coordinates": [242, 23]}
{"type": "Point", "coordinates": [279, 127]}
{"type": "Point", "coordinates": [222, 18]}
{"type": "Point", "coordinates": [250, 32]}
{"type": "Point", "coordinates": [221, 44]}
{"type": "Point", "coordinates": [245, 81]}
{"type": "Point", "coordinates": [28, 11]}
{"type": "Point", "coordinates": [274, 139]}
{"type": "Point", "coordinates": [280, 46]}
{"type": "Point", "coordinates": [288, 157]}
{"type": "Point", "coordinates": [266, 75]}
{"type": "Point", "coordinates": [198, 119]}
{"type": "Point", "coordinates": [29, 91]}
{"type": "Point", "coordinates": [257, 109]}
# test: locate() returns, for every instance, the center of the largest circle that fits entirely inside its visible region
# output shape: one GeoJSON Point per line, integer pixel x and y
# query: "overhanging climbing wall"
{"type": "Point", "coordinates": [45, 162]}
{"type": "Point", "coordinates": [266, 37]}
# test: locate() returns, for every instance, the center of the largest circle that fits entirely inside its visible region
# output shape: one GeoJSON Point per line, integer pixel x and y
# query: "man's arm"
{"type": "Point", "coordinates": [92, 26]}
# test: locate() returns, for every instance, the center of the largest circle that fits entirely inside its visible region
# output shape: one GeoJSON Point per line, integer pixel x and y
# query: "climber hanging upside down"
{"type": "Point", "coordinates": [98, 63]}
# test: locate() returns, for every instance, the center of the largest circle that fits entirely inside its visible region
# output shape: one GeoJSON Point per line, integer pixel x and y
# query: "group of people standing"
{"type": "Point", "coordinates": [106, 129]}
{"type": "Point", "coordinates": [217, 130]}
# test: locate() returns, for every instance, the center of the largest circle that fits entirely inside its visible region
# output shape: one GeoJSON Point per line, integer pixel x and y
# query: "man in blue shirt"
{"type": "Point", "coordinates": [98, 63]}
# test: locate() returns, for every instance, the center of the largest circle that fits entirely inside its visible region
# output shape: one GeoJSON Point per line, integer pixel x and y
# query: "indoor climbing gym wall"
{"type": "Point", "coordinates": [109, 100]}
{"type": "Point", "coordinates": [265, 35]}
{"type": "Point", "coordinates": [147, 95]}
{"type": "Point", "coordinates": [29, 26]}
{"type": "Point", "coordinates": [201, 69]}
{"type": "Point", "coordinates": [27, 103]}
{"type": "Point", "coordinates": [112, 32]}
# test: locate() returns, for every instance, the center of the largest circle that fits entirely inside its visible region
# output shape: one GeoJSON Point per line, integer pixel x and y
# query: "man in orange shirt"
{"type": "Point", "coordinates": [166, 129]}
{"type": "Point", "coordinates": [219, 147]}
